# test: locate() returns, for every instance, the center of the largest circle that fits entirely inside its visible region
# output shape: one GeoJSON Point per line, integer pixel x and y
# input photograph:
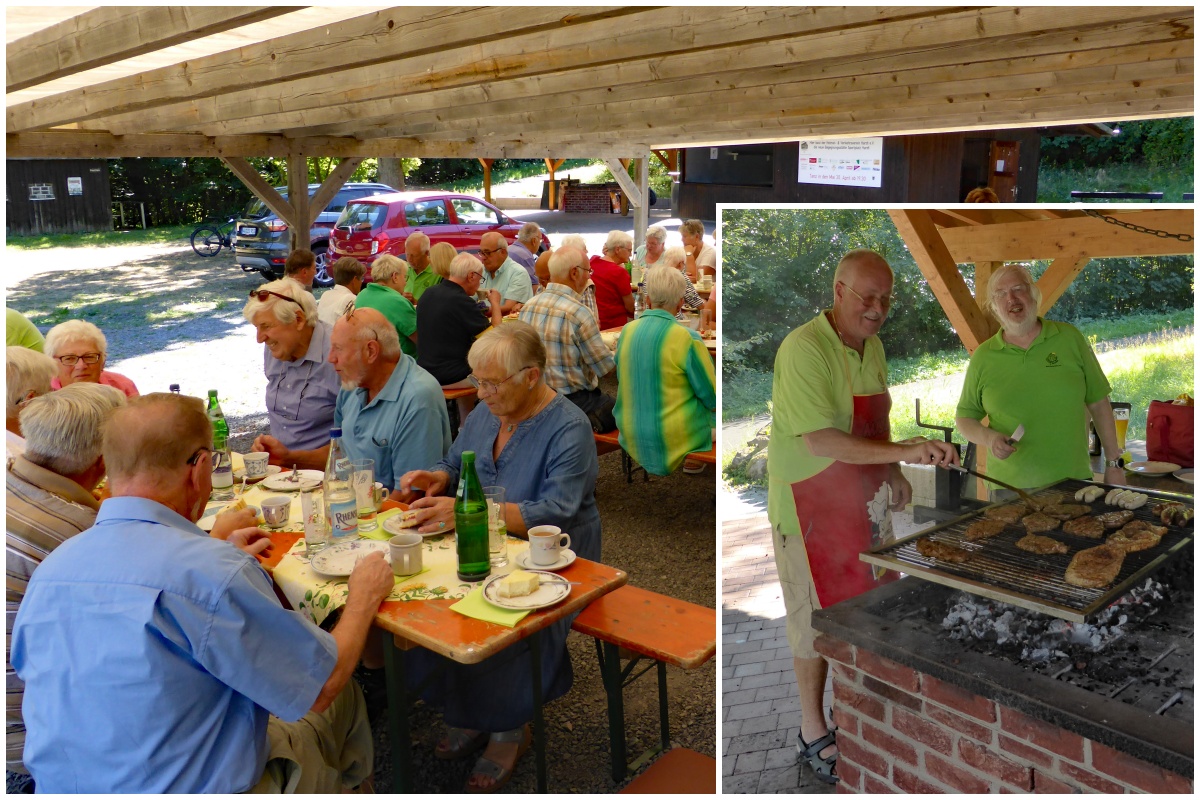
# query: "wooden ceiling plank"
{"type": "Point", "coordinates": [925, 244]}
{"type": "Point", "coordinates": [756, 65]}
{"type": "Point", "coordinates": [109, 34]}
{"type": "Point", "coordinates": [264, 191]}
{"type": "Point", "coordinates": [1068, 238]}
{"type": "Point", "coordinates": [545, 53]}
{"type": "Point", "coordinates": [952, 82]}
{"type": "Point", "coordinates": [329, 187]}
{"type": "Point", "coordinates": [1058, 278]}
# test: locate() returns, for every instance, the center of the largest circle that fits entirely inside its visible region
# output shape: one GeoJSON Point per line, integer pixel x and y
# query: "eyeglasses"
{"type": "Point", "coordinates": [195, 458]}
{"type": "Point", "coordinates": [489, 386]}
{"type": "Point", "coordinates": [884, 300]}
{"type": "Point", "coordinates": [1019, 289]}
{"type": "Point", "coordinates": [87, 358]}
{"type": "Point", "coordinates": [486, 253]}
{"type": "Point", "coordinates": [263, 294]}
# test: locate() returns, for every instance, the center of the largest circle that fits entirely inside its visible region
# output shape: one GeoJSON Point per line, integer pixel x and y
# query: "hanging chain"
{"type": "Point", "coordinates": [1183, 237]}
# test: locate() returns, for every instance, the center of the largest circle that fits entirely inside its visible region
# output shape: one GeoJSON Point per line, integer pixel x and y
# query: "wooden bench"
{"type": "Point", "coordinates": [679, 771]}
{"type": "Point", "coordinates": [608, 442]}
{"type": "Point", "coordinates": [452, 407]}
{"type": "Point", "coordinates": [651, 626]}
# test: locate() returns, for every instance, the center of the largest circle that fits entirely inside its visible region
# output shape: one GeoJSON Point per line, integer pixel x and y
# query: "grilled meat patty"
{"type": "Point", "coordinates": [942, 551]}
{"type": "Point", "coordinates": [1039, 523]}
{"type": "Point", "coordinates": [1040, 502]}
{"type": "Point", "coordinates": [983, 529]}
{"type": "Point", "coordinates": [1010, 514]}
{"type": "Point", "coordinates": [1043, 545]}
{"type": "Point", "coordinates": [1066, 511]}
{"type": "Point", "coordinates": [1115, 519]}
{"type": "Point", "coordinates": [1095, 567]}
{"type": "Point", "coordinates": [1088, 527]}
{"type": "Point", "coordinates": [1137, 535]}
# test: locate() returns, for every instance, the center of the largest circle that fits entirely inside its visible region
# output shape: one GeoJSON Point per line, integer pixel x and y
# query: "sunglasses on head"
{"type": "Point", "coordinates": [262, 294]}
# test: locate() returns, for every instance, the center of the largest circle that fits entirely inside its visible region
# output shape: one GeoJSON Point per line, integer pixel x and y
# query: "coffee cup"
{"type": "Point", "coordinates": [406, 553]}
{"type": "Point", "coordinates": [546, 543]}
{"type": "Point", "coordinates": [276, 510]}
{"type": "Point", "coordinates": [256, 465]}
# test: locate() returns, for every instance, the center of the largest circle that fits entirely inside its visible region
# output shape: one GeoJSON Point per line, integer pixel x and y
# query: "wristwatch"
{"type": "Point", "coordinates": [1114, 462]}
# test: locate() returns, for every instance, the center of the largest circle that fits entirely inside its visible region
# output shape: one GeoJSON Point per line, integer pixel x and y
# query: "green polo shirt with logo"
{"type": "Point", "coordinates": [1046, 388]}
{"type": "Point", "coordinates": [418, 282]}
{"type": "Point", "coordinates": [811, 391]}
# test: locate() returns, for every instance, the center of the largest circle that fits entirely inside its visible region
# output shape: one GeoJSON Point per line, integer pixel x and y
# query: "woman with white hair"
{"type": "Point", "coordinates": [666, 381]}
{"type": "Point", "coordinates": [1040, 374]}
{"type": "Point", "coordinates": [538, 445]}
{"type": "Point", "coordinates": [614, 293]}
{"type": "Point", "coordinates": [302, 386]}
{"type": "Point", "coordinates": [28, 375]}
{"type": "Point", "coordinates": [649, 254]}
{"type": "Point", "coordinates": [385, 294]}
{"type": "Point", "coordinates": [673, 258]}
{"type": "Point", "coordinates": [700, 257]}
{"type": "Point", "coordinates": [81, 350]}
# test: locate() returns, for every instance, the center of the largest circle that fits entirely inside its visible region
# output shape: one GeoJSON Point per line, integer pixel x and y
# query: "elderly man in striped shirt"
{"type": "Point", "coordinates": [576, 356]}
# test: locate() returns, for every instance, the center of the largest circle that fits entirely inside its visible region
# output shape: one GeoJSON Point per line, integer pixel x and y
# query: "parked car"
{"type": "Point", "coordinates": [375, 225]}
{"type": "Point", "coordinates": [261, 239]}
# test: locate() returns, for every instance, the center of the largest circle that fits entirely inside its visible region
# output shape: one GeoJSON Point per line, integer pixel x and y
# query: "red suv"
{"type": "Point", "coordinates": [375, 225]}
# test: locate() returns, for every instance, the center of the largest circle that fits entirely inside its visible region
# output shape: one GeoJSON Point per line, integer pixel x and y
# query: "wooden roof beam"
{"type": "Point", "coordinates": [1073, 238]}
{"type": "Point", "coordinates": [925, 244]}
{"type": "Point", "coordinates": [109, 34]}
{"type": "Point", "coordinates": [1058, 278]}
{"type": "Point", "coordinates": [672, 75]}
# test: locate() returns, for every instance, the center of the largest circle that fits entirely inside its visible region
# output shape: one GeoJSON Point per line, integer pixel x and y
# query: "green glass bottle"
{"type": "Point", "coordinates": [471, 523]}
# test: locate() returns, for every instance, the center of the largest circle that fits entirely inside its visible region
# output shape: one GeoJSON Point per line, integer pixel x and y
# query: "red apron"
{"type": "Point", "coordinates": [843, 510]}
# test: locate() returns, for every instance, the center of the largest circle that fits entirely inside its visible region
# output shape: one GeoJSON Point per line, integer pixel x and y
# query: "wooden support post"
{"type": "Point", "coordinates": [329, 187]}
{"type": "Point", "coordinates": [551, 166]}
{"type": "Point", "coordinates": [298, 197]}
{"type": "Point", "coordinates": [487, 178]}
{"type": "Point", "coordinates": [641, 212]}
{"type": "Point", "coordinates": [1058, 278]}
{"type": "Point", "coordinates": [262, 190]}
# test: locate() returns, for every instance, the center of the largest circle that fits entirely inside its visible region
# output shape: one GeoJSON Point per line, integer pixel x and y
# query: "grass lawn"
{"type": "Point", "coordinates": [102, 238]}
{"type": "Point", "coordinates": [1055, 184]}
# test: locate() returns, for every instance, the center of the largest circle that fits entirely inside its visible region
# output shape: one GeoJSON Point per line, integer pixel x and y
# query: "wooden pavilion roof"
{"type": "Point", "coordinates": [537, 81]}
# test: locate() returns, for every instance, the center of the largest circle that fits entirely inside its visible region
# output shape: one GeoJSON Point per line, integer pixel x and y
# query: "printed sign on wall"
{"type": "Point", "coordinates": [74, 186]}
{"type": "Point", "coordinates": [842, 162]}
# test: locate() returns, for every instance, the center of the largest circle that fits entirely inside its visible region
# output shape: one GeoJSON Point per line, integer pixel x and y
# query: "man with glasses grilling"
{"type": "Point", "coordinates": [389, 409]}
{"type": "Point", "coordinates": [302, 385]}
{"type": "Point", "coordinates": [157, 658]}
{"type": "Point", "coordinates": [834, 474]}
{"type": "Point", "coordinates": [503, 274]}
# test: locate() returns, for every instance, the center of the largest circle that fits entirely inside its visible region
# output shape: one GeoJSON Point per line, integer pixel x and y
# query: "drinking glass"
{"type": "Point", "coordinates": [316, 532]}
{"type": "Point", "coordinates": [497, 527]}
{"type": "Point", "coordinates": [364, 492]}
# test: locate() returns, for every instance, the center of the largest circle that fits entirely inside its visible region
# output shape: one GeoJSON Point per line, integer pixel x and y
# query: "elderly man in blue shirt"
{"type": "Point", "coordinates": [157, 658]}
{"type": "Point", "coordinates": [302, 385]}
{"type": "Point", "coordinates": [389, 409]}
{"type": "Point", "coordinates": [503, 274]}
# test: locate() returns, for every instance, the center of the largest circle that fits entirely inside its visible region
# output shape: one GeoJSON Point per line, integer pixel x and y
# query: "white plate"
{"type": "Point", "coordinates": [392, 526]}
{"type": "Point", "coordinates": [307, 479]}
{"type": "Point", "coordinates": [338, 560]}
{"type": "Point", "coordinates": [1152, 467]}
{"type": "Point", "coordinates": [206, 522]}
{"type": "Point", "coordinates": [553, 590]}
{"type": "Point", "coordinates": [271, 470]}
{"type": "Point", "coordinates": [1184, 475]}
{"type": "Point", "coordinates": [565, 559]}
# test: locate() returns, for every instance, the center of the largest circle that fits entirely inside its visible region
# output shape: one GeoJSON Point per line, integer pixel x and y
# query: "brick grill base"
{"type": "Point", "coordinates": [901, 730]}
{"type": "Point", "coordinates": [588, 199]}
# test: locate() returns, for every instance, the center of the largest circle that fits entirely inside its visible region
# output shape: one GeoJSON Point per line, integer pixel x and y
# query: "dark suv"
{"type": "Point", "coordinates": [260, 242]}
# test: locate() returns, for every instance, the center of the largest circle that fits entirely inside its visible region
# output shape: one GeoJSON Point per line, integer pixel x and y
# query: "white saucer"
{"type": "Point", "coordinates": [206, 522]}
{"type": "Point", "coordinates": [338, 560]}
{"type": "Point", "coordinates": [272, 469]}
{"type": "Point", "coordinates": [566, 558]}
{"type": "Point", "coordinates": [1185, 475]}
{"type": "Point", "coordinates": [553, 589]}
{"type": "Point", "coordinates": [306, 479]}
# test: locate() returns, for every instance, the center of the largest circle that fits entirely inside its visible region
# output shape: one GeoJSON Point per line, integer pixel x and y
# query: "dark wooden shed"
{"type": "Point", "coordinates": [57, 196]}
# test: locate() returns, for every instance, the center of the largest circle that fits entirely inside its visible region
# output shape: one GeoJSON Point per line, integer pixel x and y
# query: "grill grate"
{"type": "Point", "coordinates": [1000, 570]}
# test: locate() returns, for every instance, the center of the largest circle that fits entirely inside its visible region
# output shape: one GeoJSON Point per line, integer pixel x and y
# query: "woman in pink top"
{"type": "Point", "coordinates": [80, 350]}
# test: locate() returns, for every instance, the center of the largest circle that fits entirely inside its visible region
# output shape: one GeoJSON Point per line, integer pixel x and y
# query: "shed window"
{"type": "Point", "coordinates": [41, 191]}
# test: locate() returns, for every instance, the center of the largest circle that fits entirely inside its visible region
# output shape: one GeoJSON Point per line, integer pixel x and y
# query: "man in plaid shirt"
{"type": "Point", "coordinates": [576, 356]}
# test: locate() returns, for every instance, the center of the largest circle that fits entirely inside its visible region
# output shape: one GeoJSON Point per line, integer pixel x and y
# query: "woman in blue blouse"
{"type": "Point", "coordinates": [539, 447]}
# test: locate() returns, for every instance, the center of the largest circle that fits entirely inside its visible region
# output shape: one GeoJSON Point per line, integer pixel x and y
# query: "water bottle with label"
{"type": "Point", "coordinates": [471, 523]}
{"type": "Point", "coordinates": [341, 503]}
{"type": "Point", "coordinates": [222, 471]}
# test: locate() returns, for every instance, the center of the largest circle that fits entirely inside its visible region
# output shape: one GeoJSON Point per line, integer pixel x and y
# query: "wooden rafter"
{"type": "Point", "coordinates": [1058, 278]}
{"type": "Point", "coordinates": [1072, 237]}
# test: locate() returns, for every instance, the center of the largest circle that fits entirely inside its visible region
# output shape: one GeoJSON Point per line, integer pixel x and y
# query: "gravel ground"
{"type": "Point", "coordinates": [173, 317]}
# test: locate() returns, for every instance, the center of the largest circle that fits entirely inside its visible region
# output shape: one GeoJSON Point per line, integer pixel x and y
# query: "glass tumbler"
{"type": "Point", "coordinates": [497, 527]}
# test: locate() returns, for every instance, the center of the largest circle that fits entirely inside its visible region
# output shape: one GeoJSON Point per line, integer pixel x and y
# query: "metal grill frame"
{"type": "Point", "coordinates": [1001, 571]}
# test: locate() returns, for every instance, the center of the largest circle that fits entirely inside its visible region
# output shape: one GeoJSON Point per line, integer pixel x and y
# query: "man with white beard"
{"type": "Point", "coordinates": [1041, 374]}
{"type": "Point", "coordinates": [834, 473]}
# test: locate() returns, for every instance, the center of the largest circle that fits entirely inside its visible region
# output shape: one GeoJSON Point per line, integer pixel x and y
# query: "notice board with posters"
{"type": "Point", "coordinates": [841, 162]}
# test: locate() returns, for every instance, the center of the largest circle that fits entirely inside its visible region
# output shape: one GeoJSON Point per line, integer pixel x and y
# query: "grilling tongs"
{"type": "Point", "coordinates": [1021, 492]}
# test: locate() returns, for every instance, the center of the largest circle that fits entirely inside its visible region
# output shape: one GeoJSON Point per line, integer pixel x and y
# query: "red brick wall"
{"type": "Point", "coordinates": [587, 200]}
{"type": "Point", "coordinates": [900, 730]}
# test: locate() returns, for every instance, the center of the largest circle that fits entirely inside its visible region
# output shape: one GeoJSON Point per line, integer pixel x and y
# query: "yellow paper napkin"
{"type": "Point", "coordinates": [403, 578]}
{"type": "Point", "coordinates": [474, 606]}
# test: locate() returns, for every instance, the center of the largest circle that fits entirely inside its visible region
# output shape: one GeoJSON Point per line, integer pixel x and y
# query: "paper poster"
{"type": "Point", "coordinates": [842, 162]}
{"type": "Point", "coordinates": [74, 186]}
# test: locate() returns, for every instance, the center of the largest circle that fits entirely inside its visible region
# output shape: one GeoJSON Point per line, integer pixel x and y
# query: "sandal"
{"type": "Point", "coordinates": [824, 768]}
{"type": "Point", "coordinates": [500, 775]}
{"type": "Point", "coordinates": [459, 743]}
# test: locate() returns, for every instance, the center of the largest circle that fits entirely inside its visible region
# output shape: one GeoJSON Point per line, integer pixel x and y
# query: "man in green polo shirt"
{"type": "Point", "coordinates": [420, 276]}
{"type": "Point", "coordinates": [834, 474]}
{"type": "Point", "coordinates": [1041, 374]}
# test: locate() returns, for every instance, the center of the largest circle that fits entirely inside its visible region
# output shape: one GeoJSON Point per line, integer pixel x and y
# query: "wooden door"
{"type": "Point", "coordinates": [1002, 176]}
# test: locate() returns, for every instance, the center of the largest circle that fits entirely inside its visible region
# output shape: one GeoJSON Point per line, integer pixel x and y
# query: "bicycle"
{"type": "Point", "coordinates": [210, 237]}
